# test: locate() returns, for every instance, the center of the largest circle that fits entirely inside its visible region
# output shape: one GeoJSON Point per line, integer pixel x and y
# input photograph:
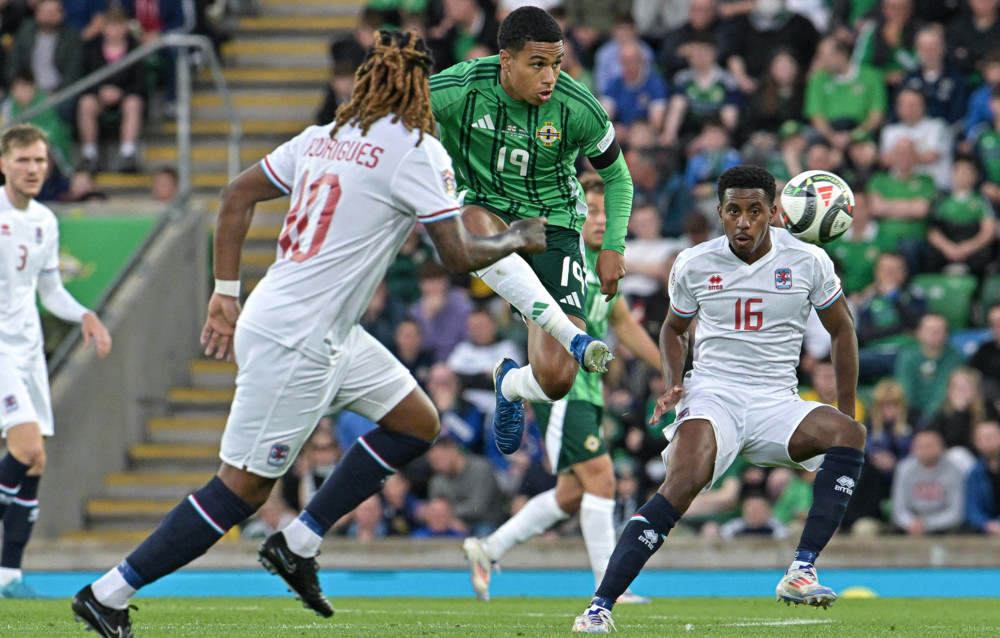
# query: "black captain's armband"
{"type": "Point", "coordinates": [607, 158]}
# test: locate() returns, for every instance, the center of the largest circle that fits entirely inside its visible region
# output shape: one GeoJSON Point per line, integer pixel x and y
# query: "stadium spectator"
{"type": "Point", "coordinates": [164, 184]}
{"type": "Point", "coordinates": [856, 252]}
{"type": "Point", "coordinates": [986, 146]}
{"type": "Point", "coordinates": [82, 189]}
{"type": "Point", "coordinates": [943, 86]}
{"type": "Point", "coordinates": [348, 52]}
{"type": "Point", "coordinates": [27, 419]}
{"type": "Point", "coordinates": [647, 256]}
{"type": "Point", "coordinates": [973, 35]}
{"type": "Point", "coordinates": [887, 314]}
{"type": "Point", "coordinates": [401, 509]}
{"type": "Point", "coordinates": [886, 43]}
{"type": "Point", "coordinates": [924, 367]}
{"type": "Point", "coordinates": [756, 520]}
{"type": "Point", "coordinates": [403, 274]}
{"type": "Point", "coordinates": [336, 92]}
{"type": "Point", "coordinates": [778, 99]}
{"type": "Point", "coordinates": [441, 310]}
{"type": "Point", "coordinates": [465, 24]}
{"type": "Point", "coordinates": [861, 163]}
{"type": "Point", "coordinates": [701, 93]}
{"type": "Point", "coordinates": [650, 188]}
{"type": "Point", "coordinates": [928, 490]}
{"type": "Point", "coordinates": [978, 112]}
{"type": "Point", "coordinates": [474, 357]}
{"type": "Point", "coordinates": [123, 94]}
{"type": "Point", "coordinates": [795, 497]}
{"type": "Point", "coordinates": [900, 199]}
{"type": "Point", "coordinates": [639, 93]}
{"type": "Point", "coordinates": [982, 504]}
{"type": "Point", "coordinates": [460, 419]}
{"type": "Point", "coordinates": [962, 232]}
{"type": "Point", "coordinates": [703, 25]}
{"type": "Point", "coordinates": [987, 358]}
{"type": "Point", "coordinates": [758, 35]}
{"type": "Point", "coordinates": [607, 58]}
{"type": "Point", "coordinates": [439, 521]}
{"type": "Point", "coordinates": [366, 521]}
{"type": "Point", "coordinates": [12, 14]}
{"type": "Point", "coordinates": [383, 314]}
{"type": "Point", "coordinates": [823, 388]}
{"type": "Point", "coordinates": [711, 154]}
{"type": "Point", "coordinates": [835, 76]}
{"type": "Point", "coordinates": [469, 484]}
{"type": "Point", "coordinates": [316, 462]}
{"type": "Point", "coordinates": [408, 347]}
{"type": "Point", "coordinates": [25, 94]}
{"type": "Point", "coordinates": [653, 18]}
{"type": "Point", "coordinates": [87, 17]}
{"type": "Point", "coordinates": [931, 137]}
{"type": "Point", "coordinates": [962, 408]}
{"type": "Point", "coordinates": [326, 359]}
{"type": "Point", "coordinates": [51, 49]}
{"type": "Point", "coordinates": [155, 18]}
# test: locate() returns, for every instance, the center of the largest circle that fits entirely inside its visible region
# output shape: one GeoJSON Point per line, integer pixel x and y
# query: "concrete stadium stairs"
{"type": "Point", "coordinates": [276, 66]}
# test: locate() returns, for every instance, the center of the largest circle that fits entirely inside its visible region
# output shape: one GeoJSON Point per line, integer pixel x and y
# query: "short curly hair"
{"type": "Point", "coordinates": [747, 176]}
{"type": "Point", "coordinates": [527, 24]}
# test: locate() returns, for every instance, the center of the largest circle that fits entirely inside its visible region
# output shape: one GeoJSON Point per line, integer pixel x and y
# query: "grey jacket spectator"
{"type": "Point", "coordinates": [469, 484]}
{"type": "Point", "coordinates": [49, 47]}
{"type": "Point", "coordinates": [928, 490]}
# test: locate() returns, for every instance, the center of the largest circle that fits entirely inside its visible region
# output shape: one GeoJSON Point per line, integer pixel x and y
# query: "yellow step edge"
{"type": "Point", "coordinates": [152, 451]}
{"type": "Point", "coordinates": [258, 259]}
{"type": "Point", "coordinates": [221, 127]}
{"type": "Point", "coordinates": [278, 205]}
{"type": "Point", "coordinates": [317, 75]}
{"type": "Point", "coordinates": [165, 154]}
{"type": "Point", "coordinates": [211, 366]}
{"type": "Point", "coordinates": [198, 179]}
{"type": "Point", "coordinates": [296, 23]}
{"type": "Point", "coordinates": [278, 46]}
{"type": "Point", "coordinates": [257, 99]}
{"type": "Point", "coordinates": [199, 395]}
{"type": "Point", "coordinates": [145, 479]}
{"type": "Point", "coordinates": [123, 507]}
{"type": "Point", "coordinates": [130, 536]}
{"type": "Point", "coordinates": [264, 232]}
{"type": "Point", "coordinates": [162, 423]}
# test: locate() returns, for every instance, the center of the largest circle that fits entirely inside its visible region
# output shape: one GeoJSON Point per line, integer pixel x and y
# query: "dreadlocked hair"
{"type": "Point", "coordinates": [393, 79]}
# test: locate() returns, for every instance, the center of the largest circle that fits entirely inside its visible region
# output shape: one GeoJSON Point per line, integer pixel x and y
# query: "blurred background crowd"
{"type": "Point", "coordinates": [900, 97]}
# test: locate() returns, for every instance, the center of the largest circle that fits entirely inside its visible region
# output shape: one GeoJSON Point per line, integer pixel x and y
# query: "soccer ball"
{"type": "Point", "coordinates": [818, 207]}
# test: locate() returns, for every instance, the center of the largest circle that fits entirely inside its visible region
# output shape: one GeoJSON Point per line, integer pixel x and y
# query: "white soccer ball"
{"type": "Point", "coordinates": [818, 207]}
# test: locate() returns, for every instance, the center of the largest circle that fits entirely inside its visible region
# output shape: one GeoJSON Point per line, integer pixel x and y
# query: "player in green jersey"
{"type": "Point", "coordinates": [514, 127]}
{"type": "Point", "coordinates": [572, 433]}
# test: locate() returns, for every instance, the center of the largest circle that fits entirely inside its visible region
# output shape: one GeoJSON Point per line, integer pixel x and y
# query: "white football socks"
{"type": "Point", "coordinates": [302, 540]}
{"type": "Point", "coordinates": [522, 384]}
{"type": "Point", "coordinates": [514, 280]}
{"type": "Point", "coordinates": [9, 575]}
{"type": "Point", "coordinates": [598, 527]}
{"type": "Point", "coordinates": [111, 590]}
{"type": "Point", "coordinates": [537, 515]}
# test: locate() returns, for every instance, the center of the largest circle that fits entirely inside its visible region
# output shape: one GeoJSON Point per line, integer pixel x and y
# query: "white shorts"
{"type": "Point", "coordinates": [753, 424]}
{"type": "Point", "coordinates": [282, 393]}
{"type": "Point", "coordinates": [24, 394]}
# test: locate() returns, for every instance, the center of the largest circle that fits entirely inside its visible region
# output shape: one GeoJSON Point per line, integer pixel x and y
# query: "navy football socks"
{"type": "Point", "coordinates": [360, 474]}
{"type": "Point", "coordinates": [640, 539]}
{"type": "Point", "coordinates": [832, 490]}
{"type": "Point", "coordinates": [12, 472]}
{"type": "Point", "coordinates": [186, 533]}
{"type": "Point", "coordinates": [18, 521]}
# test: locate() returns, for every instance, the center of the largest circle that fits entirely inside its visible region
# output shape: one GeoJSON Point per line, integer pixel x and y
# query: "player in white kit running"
{"type": "Point", "coordinates": [358, 186]}
{"type": "Point", "coordinates": [29, 262]}
{"type": "Point", "coordinates": [751, 291]}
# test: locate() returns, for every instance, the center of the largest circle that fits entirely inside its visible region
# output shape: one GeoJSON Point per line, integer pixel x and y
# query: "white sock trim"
{"type": "Point", "coordinates": [112, 590]}
{"type": "Point", "coordinates": [9, 575]}
{"type": "Point", "coordinates": [302, 540]}
{"type": "Point", "coordinates": [522, 384]}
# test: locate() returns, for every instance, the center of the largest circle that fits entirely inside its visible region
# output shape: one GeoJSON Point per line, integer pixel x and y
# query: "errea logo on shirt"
{"type": "Point", "coordinates": [715, 282]}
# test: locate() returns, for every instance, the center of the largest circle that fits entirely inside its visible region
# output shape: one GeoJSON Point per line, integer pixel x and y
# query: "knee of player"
{"type": "Point", "coordinates": [557, 383]}
{"type": "Point", "coordinates": [849, 433]}
{"type": "Point", "coordinates": [30, 453]}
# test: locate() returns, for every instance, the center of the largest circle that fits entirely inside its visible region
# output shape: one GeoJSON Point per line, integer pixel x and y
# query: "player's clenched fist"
{"type": "Point", "coordinates": [532, 231]}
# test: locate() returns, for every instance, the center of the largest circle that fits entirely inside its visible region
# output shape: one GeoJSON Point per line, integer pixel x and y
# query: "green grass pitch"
{"type": "Point", "coordinates": [535, 617]}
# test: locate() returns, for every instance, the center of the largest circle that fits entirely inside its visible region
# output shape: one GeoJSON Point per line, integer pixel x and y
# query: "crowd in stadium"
{"type": "Point", "coordinates": [900, 97]}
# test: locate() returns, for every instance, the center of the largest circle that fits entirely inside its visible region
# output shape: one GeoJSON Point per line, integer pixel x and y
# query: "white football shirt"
{"type": "Point", "coordinates": [751, 317]}
{"type": "Point", "coordinates": [354, 200]}
{"type": "Point", "coordinates": [29, 247]}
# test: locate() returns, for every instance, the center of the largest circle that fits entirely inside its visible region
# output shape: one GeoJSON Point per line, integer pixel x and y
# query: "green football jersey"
{"type": "Point", "coordinates": [587, 385]}
{"type": "Point", "coordinates": [512, 156]}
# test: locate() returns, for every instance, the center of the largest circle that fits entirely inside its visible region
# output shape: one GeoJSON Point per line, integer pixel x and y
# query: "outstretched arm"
{"type": "Point", "coordinates": [235, 214]}
{"type": "Point", "coordinates": [839, 322]}
{"type": "Point", "coordinates": [462, 251]}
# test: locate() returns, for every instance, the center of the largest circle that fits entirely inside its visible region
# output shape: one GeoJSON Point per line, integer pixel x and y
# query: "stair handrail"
{"type": "Point", "coordinates": [184, 43]}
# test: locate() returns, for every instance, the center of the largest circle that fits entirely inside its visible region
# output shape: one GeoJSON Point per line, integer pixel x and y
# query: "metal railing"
{"type": "Point", "coordinates": [184, 44]}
